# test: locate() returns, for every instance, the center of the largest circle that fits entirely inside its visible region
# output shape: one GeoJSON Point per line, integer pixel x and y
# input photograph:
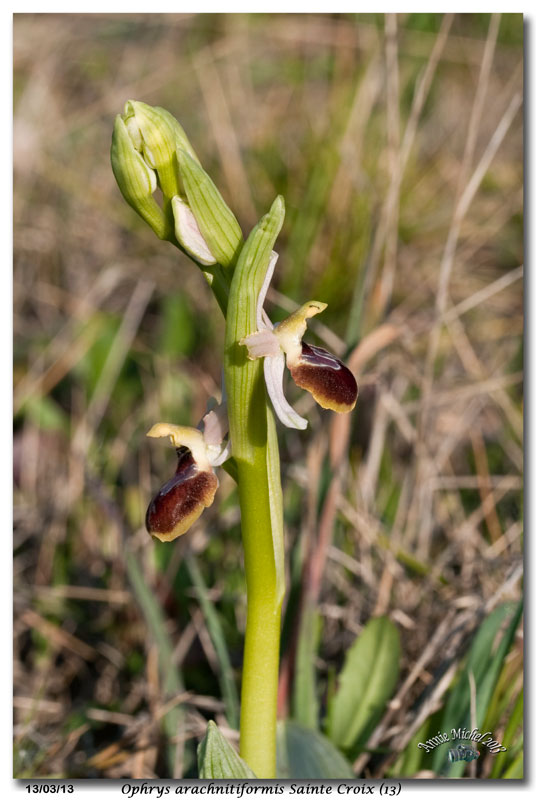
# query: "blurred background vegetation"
{"type": "Point", "coordinates": [397, 142]}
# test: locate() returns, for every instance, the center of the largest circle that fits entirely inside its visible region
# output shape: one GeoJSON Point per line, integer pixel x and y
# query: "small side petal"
{"type": "Point", "coordinates": [322, 374]}
{"type": "Point", "coordinates": [262, 318]}
{"type": "Point", "coordinates": [273, 375]}
{"type": "Point", "coordinates": [215, 425]}
{"type": "Point", "coordinates": [181, 501]}
{"type": "Point", "coordinates": [262, 343]}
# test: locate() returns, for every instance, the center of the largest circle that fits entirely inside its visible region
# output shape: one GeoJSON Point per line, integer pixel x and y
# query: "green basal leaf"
{"type": "Point", "coordinates": [367, 680]}
{"type": "Point", "coordinates": [217, 760]}
{"type": "Point", "coordinates": [306, 754]}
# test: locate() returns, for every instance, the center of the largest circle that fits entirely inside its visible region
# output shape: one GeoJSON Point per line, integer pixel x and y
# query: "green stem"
{"type": "Point", "coordinates": [255, 451]}
{"type": "Point", "coordinates": [261, 651]}
{"type": "Point", "coordinates": [219, 284]}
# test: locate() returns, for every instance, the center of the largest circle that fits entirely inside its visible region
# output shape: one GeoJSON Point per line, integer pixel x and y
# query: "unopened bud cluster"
{"type": "Point", "coordinates": [150, 150]}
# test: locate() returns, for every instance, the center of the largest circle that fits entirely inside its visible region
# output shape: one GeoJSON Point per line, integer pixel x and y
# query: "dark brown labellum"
{"type": "Point", "coordinates": [181, 500]}
{"type": "Point", "coordinates": [329, 380]}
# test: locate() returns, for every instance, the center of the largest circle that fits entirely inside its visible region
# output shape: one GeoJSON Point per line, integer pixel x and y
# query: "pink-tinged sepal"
{"type": "Point", "coordinates": [181, 501]}
{"type": "Point", "coordinates": [323, 375]}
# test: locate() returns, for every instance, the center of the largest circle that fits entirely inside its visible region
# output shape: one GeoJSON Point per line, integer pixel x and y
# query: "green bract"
{"type": "Point", "coordinates": [216, 221]}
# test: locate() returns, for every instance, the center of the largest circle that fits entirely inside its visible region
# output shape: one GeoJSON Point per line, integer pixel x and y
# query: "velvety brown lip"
{"type": "Point", "coordinates": [329, 380]}
{"type": "Point", "coordinates": [181, 500]}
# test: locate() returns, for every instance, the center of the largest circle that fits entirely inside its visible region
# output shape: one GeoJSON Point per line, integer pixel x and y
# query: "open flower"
{"type": "Point", "coordinates": [322, 374]}
{"type": "Point", "coordinates": [181, 501]}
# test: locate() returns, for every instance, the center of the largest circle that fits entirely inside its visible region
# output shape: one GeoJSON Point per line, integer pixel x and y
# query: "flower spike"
{"type": "Point", "coordinates": [322, 374]}
{"type": "Point", "coordinates": [181, 501]}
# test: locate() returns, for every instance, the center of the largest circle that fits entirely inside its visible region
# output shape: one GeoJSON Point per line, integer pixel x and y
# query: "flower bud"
{"type": "Point", "coordinates": [217, 223]}
{"type": "Point", "coordinates": [152, 133]}
{"type": "Point", "coordinates": [188, 233]}
{"type": "Point", "coordinates": [136, 180]}
{"type": "Point", "coordinates": [181, 140]}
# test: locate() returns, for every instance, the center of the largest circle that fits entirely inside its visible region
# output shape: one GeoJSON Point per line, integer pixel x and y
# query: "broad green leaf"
{"type": "Point", "coordinates": [216, 759]}
{"type": "Point", "coordinates": [306, 754]}
{"type": "Point", "coordinates": [367, 680]}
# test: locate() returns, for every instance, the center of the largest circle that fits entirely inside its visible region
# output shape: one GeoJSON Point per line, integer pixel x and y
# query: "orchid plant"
{"type": "Point", "coordinates": [150, 150]}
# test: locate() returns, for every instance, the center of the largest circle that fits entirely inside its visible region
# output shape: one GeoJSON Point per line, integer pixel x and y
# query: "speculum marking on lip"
{"type": "Point", "coordinates": [330, 382]}
{"type": "Point", "coordinates": [181, 500]}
